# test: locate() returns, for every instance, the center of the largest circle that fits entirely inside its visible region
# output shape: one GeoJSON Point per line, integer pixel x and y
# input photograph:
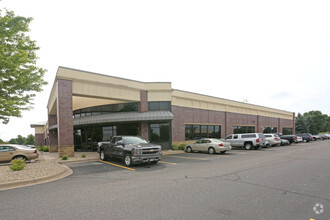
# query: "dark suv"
{"type": "Point", "coordinates": [307, 137]}
{"type": "Point", "coordinates": [131, 149]}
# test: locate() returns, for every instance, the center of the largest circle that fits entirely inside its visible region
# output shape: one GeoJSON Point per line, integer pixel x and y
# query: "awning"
{"type": "Point", "coordinates": [122, 117]}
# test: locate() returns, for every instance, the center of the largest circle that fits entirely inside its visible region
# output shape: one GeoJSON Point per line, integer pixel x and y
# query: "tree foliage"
{"type": "Point", "coordinates": [20, 77]}
{"type": "Point", "coordinates": [29, 140]}
{"type": "Point", "coordinates": [312, 122]}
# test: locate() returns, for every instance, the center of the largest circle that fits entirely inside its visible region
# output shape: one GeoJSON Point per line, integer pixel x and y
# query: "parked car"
{"type": "Point", "coordinates": [268, 143]}
{"type": "Point", "coordinates": [291, 138]}
{"type": "Point", "coordinates": [307, 137]}
{"type": "Point", "coordinates": [31, 146]}
{"type": "Point", "coordinates": [284, 142]}
{"type": "Point", "coordinates": [208, 145]}
{"type": "Point", "coordinates": [324, 137]}
{"type": "Point", "coordinates": [316, 137]}
{"type": "Point", "coordinates": [299, 139]}
{"type": "Point", "coordinates": [274, 139]}
{"type": "Point", "coordinates": [9, 152]}
{"type": "Point", "coordinates": [131, 149]}
{"type": "Point", "coordinates": [248, 141]}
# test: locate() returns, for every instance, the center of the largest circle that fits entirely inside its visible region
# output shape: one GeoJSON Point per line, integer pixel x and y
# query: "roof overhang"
{"type": "Point", "coordinates": [122, 117]}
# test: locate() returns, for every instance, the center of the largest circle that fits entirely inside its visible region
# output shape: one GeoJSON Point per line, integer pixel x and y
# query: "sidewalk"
{"type": "Point", "coordinates": [48, 167]}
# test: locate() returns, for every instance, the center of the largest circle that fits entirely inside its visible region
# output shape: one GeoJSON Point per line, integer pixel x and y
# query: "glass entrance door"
{"type": "Point", "coordinates": [159, 133]}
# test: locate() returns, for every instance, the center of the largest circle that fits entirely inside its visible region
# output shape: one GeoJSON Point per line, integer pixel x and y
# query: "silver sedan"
{"type": "Point", "coordinates": [209, 145]}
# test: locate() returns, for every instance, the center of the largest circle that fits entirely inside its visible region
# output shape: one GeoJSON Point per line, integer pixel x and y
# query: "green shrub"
{"type": "Point", "coordinates": [39, 148]}
{"type": "Point", "coordinates": [17, 164]}
{"type": "Point", "coordinates": [178, 147]}
{"type": "Point", "coordinates": [64, 157]}
{"type": "Point", "coordinates": [181, 146]}
{"type": "Point", "coordinates": [83, 155]}
{"type": "Point", "coordinates": [45, 149]}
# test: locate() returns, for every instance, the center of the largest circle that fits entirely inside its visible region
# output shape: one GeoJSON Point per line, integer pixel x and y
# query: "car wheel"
{"type": "Point", "coordinates": [128, 160]}
{"type": "Point", "coordinates": [211, 150]}
{"type": "Point", "coordinates": [20, 158]}
{"type": "Point", "coordinates": [188, 150]}
{"type": "Point", "coordinates": [102, 155]}
{"type": "Point", "coordinates": [248, 146]}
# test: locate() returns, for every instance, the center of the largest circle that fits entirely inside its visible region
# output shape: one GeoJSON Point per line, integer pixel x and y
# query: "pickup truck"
{"type": "Point", "coordinates": [131, 149]}
{"type": "Point", "coordinates": [248, 141]}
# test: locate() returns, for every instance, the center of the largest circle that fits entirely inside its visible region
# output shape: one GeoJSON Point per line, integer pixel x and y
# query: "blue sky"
{"type": "Point", "coordinates": [271, 53]}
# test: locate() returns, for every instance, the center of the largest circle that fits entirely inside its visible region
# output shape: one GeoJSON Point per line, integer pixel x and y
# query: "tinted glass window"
{"type": "Point", "coordinates": [248, 136]}
{"type": "Point", "coordinates": [244, 129]}
{"type": "Point", "coordinates": [193, 132]}
{"type": "Point", "coordinates": [6, 149]}
{"type": "Point", "coordinates": [105, 109]}
{"type": "Point", "coordinates": [287, 131]}
{"type": "Point", "coordinates": [159, 106]}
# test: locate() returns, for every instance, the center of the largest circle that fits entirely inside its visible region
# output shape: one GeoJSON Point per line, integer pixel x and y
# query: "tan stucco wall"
{"type": "Point", "coordinates": [192, 100]}
{"type": "Point", "coordinates": [91, 89]}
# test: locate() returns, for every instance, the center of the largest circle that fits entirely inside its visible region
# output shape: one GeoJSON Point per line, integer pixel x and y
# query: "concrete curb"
{"type": "Point", "coordinates": [66, 171]}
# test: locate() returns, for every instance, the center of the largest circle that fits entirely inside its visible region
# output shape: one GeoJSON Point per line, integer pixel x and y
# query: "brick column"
{"type": "Point", "coordinates": [294, 124]}
{"type": "Point", "coordinates": [143, 106]}
{"type": "Point", "coordinates": [144, 131]}
{"type": "Point", "coordinates": [52, 136]}
{"type": "Point", "coordinates": [64, 118]}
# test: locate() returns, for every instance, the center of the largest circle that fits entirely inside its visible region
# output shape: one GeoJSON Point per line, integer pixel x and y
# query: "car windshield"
{"type": "Point", "coordinates": [134, 140]}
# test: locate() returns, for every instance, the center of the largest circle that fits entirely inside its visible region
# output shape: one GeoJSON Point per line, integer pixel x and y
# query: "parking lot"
{"type": "Point", "coordinates": [273, 183]}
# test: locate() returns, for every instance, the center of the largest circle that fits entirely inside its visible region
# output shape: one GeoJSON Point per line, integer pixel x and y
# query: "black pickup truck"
{"type": "Point", "coordinates": [131, 149]}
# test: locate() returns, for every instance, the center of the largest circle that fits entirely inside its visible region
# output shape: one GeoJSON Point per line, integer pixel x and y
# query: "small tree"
{"type": "Point", "coordinates": [19, 75]}
{"type": "Point", "coordinates": [30, 139]}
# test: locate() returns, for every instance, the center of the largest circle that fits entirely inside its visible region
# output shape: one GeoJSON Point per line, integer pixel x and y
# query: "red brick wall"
{"type": "Point", "coordinates": [39, 139]}
{"type": "Point", "coordinates": [227, 120]}
{"type": "Point", "coordinates": [183, 115]}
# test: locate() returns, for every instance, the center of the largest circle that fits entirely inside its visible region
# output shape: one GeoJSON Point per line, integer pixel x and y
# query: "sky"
{"type": "Point", "coordinates": [270, 53]}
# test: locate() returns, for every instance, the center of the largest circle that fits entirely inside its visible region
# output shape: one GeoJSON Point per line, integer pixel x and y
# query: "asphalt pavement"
{"type": "Point", "coordinates": [290, 182]}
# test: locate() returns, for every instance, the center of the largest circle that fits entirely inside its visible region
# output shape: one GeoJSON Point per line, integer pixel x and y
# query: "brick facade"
{"type": "Point", "coordinates": [227, 120]}
{"type": "Point", "coordinates": [39, 139]}
{"type": "Point", "coordinates": [52, 135]}
{"type": "Point", "coordinates": [64, 118]}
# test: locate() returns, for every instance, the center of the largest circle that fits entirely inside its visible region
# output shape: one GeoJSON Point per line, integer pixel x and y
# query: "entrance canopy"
{"type": "Point", "coordinates": [122, 117]}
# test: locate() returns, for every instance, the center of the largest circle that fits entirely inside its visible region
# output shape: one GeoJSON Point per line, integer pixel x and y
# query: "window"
{"type": "Point", "coordinates": [159, 132]}
{"type": "Point", "coordinates": [159, 106]}
{"type": "Point", "coordinates": [287, 131]}
{"type": "Point", "coordinates": [269, 130]}
{"type": "Point", "coordinates": [108, 132]}
{"type": "Point", "coordinates": [195, 132]}
{"type": "Point", "coordinates": [105, 109]}
{"type": "Point", "coordinates": [6, 149]}
{"type": "Point", "coordinates": [244, 129]}
{"type": "Point", "coordinates": [248, 136]}
{"type": "Point", "coordinates": [204, 131]}
{"type": "Point", "coordinates": [235, 137]}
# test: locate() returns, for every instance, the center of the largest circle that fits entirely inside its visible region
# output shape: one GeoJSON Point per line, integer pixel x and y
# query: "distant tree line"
{"type": "Point", "coordinates": [313, 122]}
{"type": "Point", "coordinates": [29, 140]}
